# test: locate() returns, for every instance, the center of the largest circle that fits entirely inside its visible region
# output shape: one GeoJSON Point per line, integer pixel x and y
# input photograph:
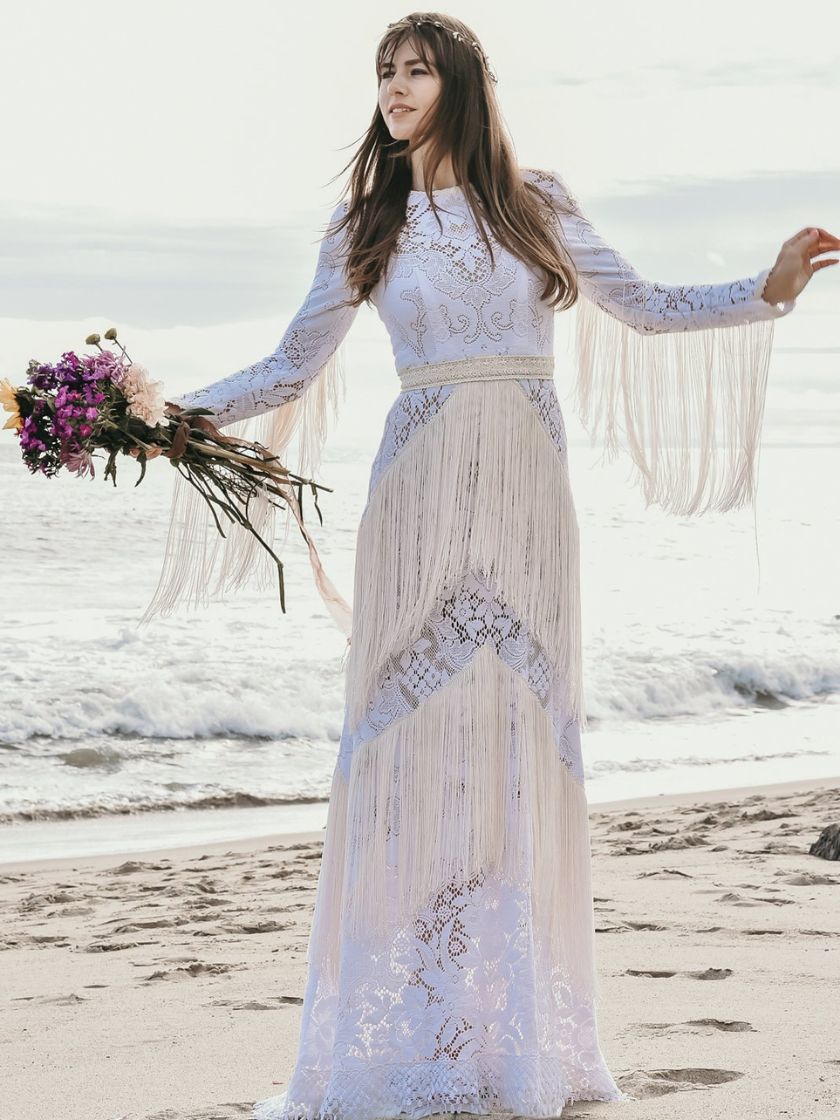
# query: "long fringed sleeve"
{"type": "Point", "coordinates": [304, 360]}
{"type": "Point", "coordinates": [676, 375]}
{"type": "Point", "coordinates": [290, 391]}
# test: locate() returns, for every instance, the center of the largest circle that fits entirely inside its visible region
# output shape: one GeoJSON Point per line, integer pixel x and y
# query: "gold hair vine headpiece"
{"type": "Point", "coordinates": [411, 22]}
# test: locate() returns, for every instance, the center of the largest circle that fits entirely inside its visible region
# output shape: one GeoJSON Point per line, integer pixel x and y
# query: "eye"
{"type": "Point", "coordinates": [415, 70]}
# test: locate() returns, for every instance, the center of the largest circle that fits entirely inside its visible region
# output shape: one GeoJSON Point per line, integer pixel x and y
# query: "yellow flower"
{"type": "Point", "coordinates": [9, 403]}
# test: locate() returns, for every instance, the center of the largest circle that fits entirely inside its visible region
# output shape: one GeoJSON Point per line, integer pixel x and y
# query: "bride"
{"type": "Point", "coordinates": [451, 957]}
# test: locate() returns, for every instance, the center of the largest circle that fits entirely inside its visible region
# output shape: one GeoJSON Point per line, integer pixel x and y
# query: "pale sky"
{"type": "Point", "coordinates": [168, 164]}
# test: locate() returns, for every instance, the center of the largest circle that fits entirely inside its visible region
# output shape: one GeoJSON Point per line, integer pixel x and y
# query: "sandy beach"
{"type": "Point", "coordinates": [168, 986]}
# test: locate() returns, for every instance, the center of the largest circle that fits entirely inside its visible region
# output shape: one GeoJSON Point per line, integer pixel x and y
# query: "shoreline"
{"type": "Point", "coordinates": [247, 844]}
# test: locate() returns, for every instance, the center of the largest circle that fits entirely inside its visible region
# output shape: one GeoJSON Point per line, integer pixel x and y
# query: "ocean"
{"type": "Point", "coordinates": [712, 644]}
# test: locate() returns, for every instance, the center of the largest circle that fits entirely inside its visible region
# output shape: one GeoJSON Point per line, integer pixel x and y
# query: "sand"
{"type": "Point", "coordinates": [169, 986]}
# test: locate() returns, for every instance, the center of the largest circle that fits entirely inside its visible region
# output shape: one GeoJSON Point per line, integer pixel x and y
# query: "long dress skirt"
{"type": "Point", "coordinates": [450, 960]}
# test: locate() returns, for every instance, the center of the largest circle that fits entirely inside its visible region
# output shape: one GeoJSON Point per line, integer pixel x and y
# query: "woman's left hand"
{"type": "Point", "coordinates": [795, 265]}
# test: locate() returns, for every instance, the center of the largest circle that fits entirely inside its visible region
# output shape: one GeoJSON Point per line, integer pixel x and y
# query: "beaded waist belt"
{"type": "Point", "coordinates": [482, 367]}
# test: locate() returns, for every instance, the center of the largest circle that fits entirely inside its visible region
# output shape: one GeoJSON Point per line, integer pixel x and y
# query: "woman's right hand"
{"type": "Point", "coordinates": [171, 410]}
{"type": "Point", "coordinates": [795, 264]}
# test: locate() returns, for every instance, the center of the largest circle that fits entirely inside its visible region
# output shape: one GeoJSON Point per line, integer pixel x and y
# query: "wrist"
{"type": "Point", "coordinates": [770, 290]}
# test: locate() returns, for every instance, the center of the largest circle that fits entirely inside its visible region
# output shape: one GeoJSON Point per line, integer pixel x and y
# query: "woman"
{"type": "Point", "coordinates": [451, 953]}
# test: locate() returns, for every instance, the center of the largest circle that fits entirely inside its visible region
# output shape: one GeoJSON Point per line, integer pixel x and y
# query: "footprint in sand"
{"type": "Point", "coordinates": [664, 974]}
{"type": "Point", "coordinates": [780, 848]}
{"type": "Point", "coordinates": [643, 1083]}
{"type": "Point", "coordinates": [709, 974]}
{"type": "Point", "coordinates": [257, 927]}
{"type": "Point", "coordinates": [663, 873]}
{"type": "Point", "coordinates": [187, 972]}
{"type": "Point", "coordinates": [225, 1110]}
{"type": "Point", "coordinates": [808, 879]}
{"type": "Point", "coordinates": [736, 1025]}
{"type": "Point", "coordinates": [689, 1026]}
{"type": "Point", "coordinates": [62, 1001]}
{"type": "Point", "coordinates": [115, 946]}
{"type": "Point", "coordinates": [153, 923]}
{"type": "Point", "coordinates": [274, 1004]}
{"type": "Point", "coordinates": [739, 900]}
{"type": "Point", "coordinates": [132, 865]}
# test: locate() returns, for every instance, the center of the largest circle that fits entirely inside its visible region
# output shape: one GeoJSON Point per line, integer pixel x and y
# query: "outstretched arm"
{"type": "Point", "coordinates": [610, 281]}
{"type": "Point", "coordinates": [311, 339]}
{"type": "Point", "coordinates": [199, 564]}
{"type": "Point", "coordinates": [685, 403]}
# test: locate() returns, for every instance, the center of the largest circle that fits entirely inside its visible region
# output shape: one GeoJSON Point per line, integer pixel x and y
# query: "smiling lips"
{"type": "Point", "coordinates": [400, 109]}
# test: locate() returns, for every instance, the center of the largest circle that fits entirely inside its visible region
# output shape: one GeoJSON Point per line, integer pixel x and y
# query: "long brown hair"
{"type": "Point", "coordinates": [467, 125]}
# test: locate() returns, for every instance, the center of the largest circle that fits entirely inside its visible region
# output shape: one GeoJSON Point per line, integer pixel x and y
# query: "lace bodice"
{"type": "Point", "coordinates": [441, 297]}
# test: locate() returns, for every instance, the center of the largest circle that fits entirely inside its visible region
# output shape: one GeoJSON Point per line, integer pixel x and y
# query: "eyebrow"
{"type": "Point", "coordinates": [408, 62]}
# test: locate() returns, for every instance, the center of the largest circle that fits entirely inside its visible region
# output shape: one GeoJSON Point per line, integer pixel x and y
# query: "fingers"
{"type": "Point", "coordinates": [824, 264]}
{"type": "Point", "coordinates": [151, 452]}
{"type": "Point", "coordinates": [818, 236]}
{"type": "Point", "coordinates": [828, 237]}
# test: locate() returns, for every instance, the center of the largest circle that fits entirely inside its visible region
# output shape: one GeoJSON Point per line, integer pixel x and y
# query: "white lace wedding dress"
{"type": "Point", "coordinates": [451, 952]}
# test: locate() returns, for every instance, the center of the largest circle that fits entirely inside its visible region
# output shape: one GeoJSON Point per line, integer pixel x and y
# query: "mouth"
{"type": "Point", "coordinates": [399, 112]}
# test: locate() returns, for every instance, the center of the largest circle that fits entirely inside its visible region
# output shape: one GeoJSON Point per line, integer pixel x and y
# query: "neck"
{"type": "Point", "coordinates": [444, 176]}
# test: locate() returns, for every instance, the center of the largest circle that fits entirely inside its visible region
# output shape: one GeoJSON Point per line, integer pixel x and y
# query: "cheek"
{"type": "Point", "coordinates": [431, 95]}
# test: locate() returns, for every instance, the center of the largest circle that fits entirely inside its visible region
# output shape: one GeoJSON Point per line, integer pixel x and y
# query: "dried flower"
{"type": "Point", "coordinates": [143, 395]}
{"type": "Point", "coordinates": [10, 404]}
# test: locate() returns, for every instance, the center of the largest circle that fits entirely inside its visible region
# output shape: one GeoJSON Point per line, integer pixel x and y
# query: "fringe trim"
{"type": "Point", "coordinates": [687, 405]}
{"type": "Point", "coordinates": [472, 780]}
{"type": "Point", "coordinates": [200, 566]}
{"type": "Point", "coordinates": [481, 488]}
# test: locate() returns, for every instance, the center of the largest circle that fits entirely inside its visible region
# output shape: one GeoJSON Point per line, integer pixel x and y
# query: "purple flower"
{"type": "Point", "coordinates": [41, 376]}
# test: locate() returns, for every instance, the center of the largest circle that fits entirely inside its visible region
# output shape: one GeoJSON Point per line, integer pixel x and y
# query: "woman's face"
{"type": "Point", "coordinates": [406, 80]}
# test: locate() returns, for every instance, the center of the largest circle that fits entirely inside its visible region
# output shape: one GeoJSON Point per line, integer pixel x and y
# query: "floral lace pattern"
{"type": "Point", "coordinates": [464, 1011]}
{"type": "Point", "coordinates": [543, 396]}
{"type": "Point", "coordinates": [465, 621]}
{"type": "Point", "coordinates": [311, 339]}
{"type": "Point", "coordinates": [410, 412]}
{"type": "Point", "coordinates": [442, 296]}
{"type": "Point", "coordinates": [610, 280]}
{"type": "Point", "coordinates": [469, 304]}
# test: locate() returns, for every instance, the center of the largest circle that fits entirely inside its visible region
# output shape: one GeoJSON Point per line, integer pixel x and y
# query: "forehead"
{"type": "Point", "coordinates": [408, 49]}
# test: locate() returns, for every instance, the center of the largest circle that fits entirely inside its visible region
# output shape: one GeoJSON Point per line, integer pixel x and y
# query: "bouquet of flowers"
{"type": "Point", "coordinates": [106, 402]}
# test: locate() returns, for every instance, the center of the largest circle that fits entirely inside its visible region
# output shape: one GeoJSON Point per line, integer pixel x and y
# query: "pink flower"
{"type": "Point", "coordinates": [80, 463]}
{"type": "Point", "coordinates": [143, 395]}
